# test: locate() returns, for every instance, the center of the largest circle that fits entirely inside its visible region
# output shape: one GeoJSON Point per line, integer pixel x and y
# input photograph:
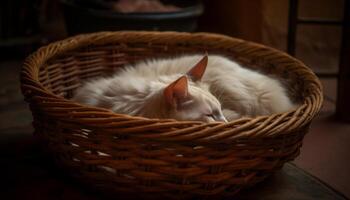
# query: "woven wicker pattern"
{"type": "Point", "coordinates": [173, 159]}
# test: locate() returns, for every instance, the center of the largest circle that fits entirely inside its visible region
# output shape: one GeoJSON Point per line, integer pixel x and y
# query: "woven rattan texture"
{"type": "Point", "coordinates": [124, 154]}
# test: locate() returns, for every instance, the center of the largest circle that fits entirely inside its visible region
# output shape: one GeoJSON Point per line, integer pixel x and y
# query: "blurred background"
{"type": "Point", "coordinates": [27, 24]}
{"type": "Point", "coordinates": [314, 31]}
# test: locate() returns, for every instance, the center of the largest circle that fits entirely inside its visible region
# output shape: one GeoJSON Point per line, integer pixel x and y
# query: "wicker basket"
{"type": "Point", "coordinates": [167, 158]}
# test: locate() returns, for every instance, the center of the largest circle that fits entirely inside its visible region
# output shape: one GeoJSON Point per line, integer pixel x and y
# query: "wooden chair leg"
{"type": "Point", "coordinates": [343, 98]}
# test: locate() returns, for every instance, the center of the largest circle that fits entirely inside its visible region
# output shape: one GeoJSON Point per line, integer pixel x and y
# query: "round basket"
{"type": "Point", "coordinates": [121, 154]}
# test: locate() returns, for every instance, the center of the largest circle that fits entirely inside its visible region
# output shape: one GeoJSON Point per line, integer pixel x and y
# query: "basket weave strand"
{"type": "Point", "coordinates": [174, 159]}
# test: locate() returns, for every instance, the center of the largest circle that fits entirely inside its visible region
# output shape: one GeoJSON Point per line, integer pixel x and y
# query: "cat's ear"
{"type": "Point", "coordinates": [176, 92]}
{"type": "Point", "coordinates": [198, 70]}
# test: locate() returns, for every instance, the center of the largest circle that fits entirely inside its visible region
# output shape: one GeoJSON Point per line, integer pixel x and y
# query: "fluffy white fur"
{"type": "Point", "coordinates": [226, 91]}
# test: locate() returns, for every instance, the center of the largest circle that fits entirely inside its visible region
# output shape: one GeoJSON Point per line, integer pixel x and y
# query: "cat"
{"type": "Point", "coordinates": [214, 89]}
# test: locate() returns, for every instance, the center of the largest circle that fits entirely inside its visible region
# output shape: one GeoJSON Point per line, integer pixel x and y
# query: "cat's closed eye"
{"type": "Point", "coordinates": [213, 114]}
{"type": "Point", "coordinates": [210, 116]}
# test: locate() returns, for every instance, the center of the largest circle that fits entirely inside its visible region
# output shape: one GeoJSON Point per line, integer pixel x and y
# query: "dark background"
{"type": "Point", "coordinates": [25, 25]}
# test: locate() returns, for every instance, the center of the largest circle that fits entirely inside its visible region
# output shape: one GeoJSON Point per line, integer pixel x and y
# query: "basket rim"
{"type": "Point", "coordinates": [182, 131]}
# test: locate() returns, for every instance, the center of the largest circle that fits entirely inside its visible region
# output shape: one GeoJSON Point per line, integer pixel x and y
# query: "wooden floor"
{"type": "Point", "coordinates": [326, 148]}
{"type": "Point", "coordinates": [324, 153]}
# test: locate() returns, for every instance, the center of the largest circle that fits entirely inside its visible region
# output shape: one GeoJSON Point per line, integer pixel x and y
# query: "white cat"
{"type": "Point", "coordinates": [215, 89]}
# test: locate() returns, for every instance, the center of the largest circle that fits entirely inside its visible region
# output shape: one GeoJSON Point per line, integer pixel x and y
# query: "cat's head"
{"type": "Point", "coordinates": [188, 99]}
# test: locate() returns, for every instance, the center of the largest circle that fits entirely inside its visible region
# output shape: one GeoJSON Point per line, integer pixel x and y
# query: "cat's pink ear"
{"type": "Point", "coordinates": [176, 92]}
{"type": "Point", "coordinates": [198, 70]}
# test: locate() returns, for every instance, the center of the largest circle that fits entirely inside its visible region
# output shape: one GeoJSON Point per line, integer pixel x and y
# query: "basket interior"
{"type": "Point", "coordinates": [64, 73]}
